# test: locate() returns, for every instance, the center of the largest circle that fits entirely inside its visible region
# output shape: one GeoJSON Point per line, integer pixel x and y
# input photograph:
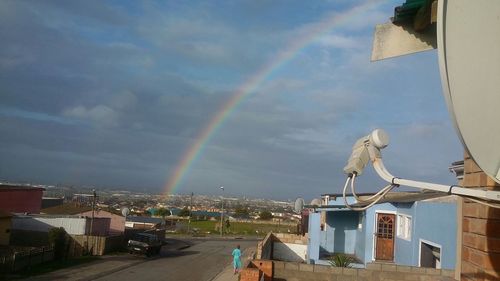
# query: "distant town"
{"type": "Point", "coordinates": [150, 204]}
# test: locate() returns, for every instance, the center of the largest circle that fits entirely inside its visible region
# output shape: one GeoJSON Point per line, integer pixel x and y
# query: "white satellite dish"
{"type": "Point", "coordinates": [468, 36]}
{"type": "Point", "coordinates": [316, 202]}
{"type": "Point", "coordinates": [299, 205]}
{"type": "Point", "coordinates": [125, 211]}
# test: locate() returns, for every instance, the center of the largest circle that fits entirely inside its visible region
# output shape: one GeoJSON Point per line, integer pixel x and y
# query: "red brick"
{"type": "Point", "coordinates": [480, 211]}
{"type": "Point", "coordinates": [465, 254]}
{"type": "Point", "coordinates": [266, 266]}
{"type": "Point", "coordinates": [250, 274]}
{"type": "Point", "coordinates": [484, 260]}
{"type": "Point", "coordinates": [469, 271]}
{"type": "Point", "coordinates": [474, 179]}
{"type": "Point", "coordinates": [474, 241]}
{"type": "Point", "coordinates": [490, 275]}
{"type": "Point", "coordinates": [489, 227]}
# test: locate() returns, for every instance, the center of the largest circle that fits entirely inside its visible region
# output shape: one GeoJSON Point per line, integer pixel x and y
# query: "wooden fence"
{"type": "Point", "coordinates": [24, 259]}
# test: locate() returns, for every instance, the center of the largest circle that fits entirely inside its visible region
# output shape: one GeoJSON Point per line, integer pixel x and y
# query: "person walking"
{"type": "Point", "coordinates": [237, 259]}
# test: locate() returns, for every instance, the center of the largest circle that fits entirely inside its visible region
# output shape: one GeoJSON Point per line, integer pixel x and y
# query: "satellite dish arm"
{"type": "Point", "coordinates": [378, 164]}
{"type": "Point", "coordinates": [377, 140]}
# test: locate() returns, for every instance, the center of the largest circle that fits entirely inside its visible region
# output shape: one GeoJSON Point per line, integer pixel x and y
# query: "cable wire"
{"type": "Point", "coordinates": [379, 194]}
{"type": "Point", "coordinates": [369, 199]}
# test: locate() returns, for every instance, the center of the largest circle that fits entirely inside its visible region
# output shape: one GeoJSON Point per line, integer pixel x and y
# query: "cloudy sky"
{"type": "Point", "coordinates": [113, 93]}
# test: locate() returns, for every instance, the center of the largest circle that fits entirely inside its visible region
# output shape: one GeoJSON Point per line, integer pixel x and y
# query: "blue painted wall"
{"type": "Point", "coordinates": [370, 229]}
{"type": "Point", "coordinates": [437, 222]}
{"type": "Point", "coordinates": [359, 250]}
{"type": "Point", "coordinates": [432, 221]}
{"type": "Point", "coordinates": [314, 237]}
{"type": "Point", "coordinates": [404, 253]}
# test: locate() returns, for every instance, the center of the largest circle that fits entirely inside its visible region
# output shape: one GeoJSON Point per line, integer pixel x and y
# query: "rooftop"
{"type": "Point", "coordinates": [145, 220]}
{"type": "Point", "coordinates": [7, 187]}
{"type": "Point", "coordinates": [66, 209]}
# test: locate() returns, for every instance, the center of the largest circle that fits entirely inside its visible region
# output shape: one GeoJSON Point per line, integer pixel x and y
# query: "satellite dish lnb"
{"type": "Point", "coordinates": [299, 205]}
{"type": "Point", "coordinates": [468, 36]}
{"type": "Point", "coordinates": [125, 211]}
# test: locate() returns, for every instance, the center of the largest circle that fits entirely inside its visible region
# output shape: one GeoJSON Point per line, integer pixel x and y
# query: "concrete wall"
{"type": "Point", "coordinates": [265, 247]}
{"type": "Point", "coordinates": [282, 246]}
{"type": "Point", "coordinates": [361, 233]}
{"type": "Point", "coordinates": [287, 271]}
{"type": "Point", "coordinates": [341, 228]}
{"type": "Point", "coordinates": [314, 237]}
{"type": "Point", "coordinates": [117, 224]}
{"type": "Point", "coordinates": [289, 252]}
{"type": "Point", "coordinates": [437, 223]}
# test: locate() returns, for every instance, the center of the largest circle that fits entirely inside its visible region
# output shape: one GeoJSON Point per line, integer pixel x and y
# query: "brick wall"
{"type": "Point", "coordinates": [480, 230]}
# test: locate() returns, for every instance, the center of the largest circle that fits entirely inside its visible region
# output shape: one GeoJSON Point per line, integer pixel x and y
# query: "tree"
{"type": "Point", "coordinates": [184, 212]}
{"type": "Point", "coordinates": [162, 212]}
{"type": "Point", "coordinates": [265, 215]}
{"type": "Point", "coordinates": [57, 238]}
{"type": "Point", "coordinates": [241, 212]}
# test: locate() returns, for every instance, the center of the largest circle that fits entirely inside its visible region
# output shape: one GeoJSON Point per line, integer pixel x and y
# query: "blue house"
{"type": "Point", "coordinates": [405, 228]}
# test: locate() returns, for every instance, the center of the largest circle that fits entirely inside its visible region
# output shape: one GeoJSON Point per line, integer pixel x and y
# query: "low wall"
{"type": "Point", "coordinates": [265, 248]}
{"type": "Point", "coordinates": [289, 271]}
{"type": "Point", "coordinates": [283, 247]}
{"type": "Point", "coordinates": [289, 252]}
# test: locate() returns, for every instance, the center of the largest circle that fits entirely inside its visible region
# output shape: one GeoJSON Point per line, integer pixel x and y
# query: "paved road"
{"type": "Point", "coordinates": [200, 262]}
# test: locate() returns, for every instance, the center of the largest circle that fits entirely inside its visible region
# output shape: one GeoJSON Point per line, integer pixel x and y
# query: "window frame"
{"type": "Point", "coordinates": [404, 227]}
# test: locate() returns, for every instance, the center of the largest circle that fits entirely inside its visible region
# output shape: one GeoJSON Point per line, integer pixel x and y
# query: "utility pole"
{"type": "Point", "coordinates": [222, 213]}
{"type": "Point", "coordinates": [190, 212]}
{"type": "Point", "coordinates": [94, 195]}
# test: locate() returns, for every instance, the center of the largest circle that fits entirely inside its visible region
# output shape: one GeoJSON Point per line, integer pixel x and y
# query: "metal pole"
{"type": "Point", "coordinates": [222, 213]}
{"type": "Point", "coordinates": [190, 211]}
{"type": "Point", "coordinates": [92, 221]}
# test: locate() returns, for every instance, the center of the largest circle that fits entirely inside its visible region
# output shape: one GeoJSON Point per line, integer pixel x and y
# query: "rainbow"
{"type": "Point", "coordinates": [250, 85]}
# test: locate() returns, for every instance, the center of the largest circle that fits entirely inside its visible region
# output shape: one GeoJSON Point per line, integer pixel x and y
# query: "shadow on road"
{"type": "Point", "coordinates": [174, 254]}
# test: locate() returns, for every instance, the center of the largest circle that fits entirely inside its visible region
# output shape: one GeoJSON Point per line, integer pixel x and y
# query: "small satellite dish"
{"type": "Point", "coordinates": [299, 205]}
{"type": "Point", "coordinates": [316, 202]}
{"type": "Point", "coordinates": [468, 36]}
{"type": "Point", "coordinates": [125, 211]}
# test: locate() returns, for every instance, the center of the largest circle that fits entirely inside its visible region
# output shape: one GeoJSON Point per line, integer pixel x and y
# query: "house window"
{"type": "Point", "coordinates": [404, 227]}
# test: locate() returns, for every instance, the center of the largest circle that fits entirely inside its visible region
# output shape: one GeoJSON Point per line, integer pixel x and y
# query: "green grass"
{"type": "Point", "coordinates": [242, 228]}
{"type": "Point", "coordinates": [56, 265]}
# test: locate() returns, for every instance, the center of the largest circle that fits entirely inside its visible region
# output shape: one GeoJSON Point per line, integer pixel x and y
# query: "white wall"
{"type": "Point", "coordinates": [289, 252]}
{"type": "Point", "coordinates": [74, 226]}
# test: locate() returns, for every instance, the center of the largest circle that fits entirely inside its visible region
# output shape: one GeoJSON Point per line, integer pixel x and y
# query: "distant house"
{"type": "Point", "coordinates": [137, 222]}
{"type": "Point", "coordinates": [117, 222]}
{"type": "Point", "coordinates": [406, 228]}
{"type": "Point", "coordinates": [48, 202]}
{"type": "Point", "coordinates": [20, 198]}
{"type": "Point", "coordinates": [5, 227]}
